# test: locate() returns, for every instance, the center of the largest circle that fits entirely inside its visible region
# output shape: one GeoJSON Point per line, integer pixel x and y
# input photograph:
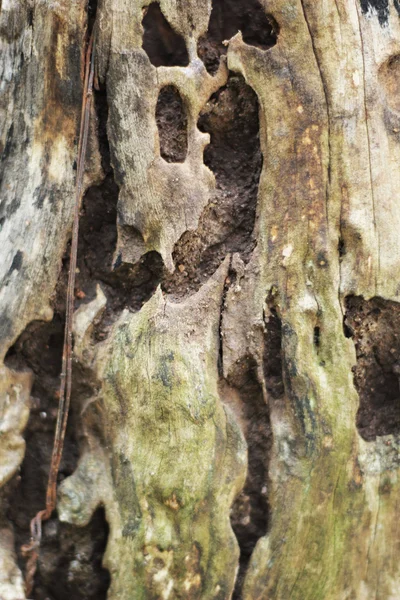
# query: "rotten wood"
{"type": "Point", "coordinates": [31, 550]}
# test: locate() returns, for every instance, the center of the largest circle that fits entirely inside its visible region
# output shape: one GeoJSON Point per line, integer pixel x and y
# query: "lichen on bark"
{"type": "Point", "coordinates": [173, 458]}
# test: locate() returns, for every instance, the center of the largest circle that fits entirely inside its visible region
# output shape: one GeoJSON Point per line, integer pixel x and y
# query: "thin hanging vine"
{"type": "Point", "coordinates": [31, 550]}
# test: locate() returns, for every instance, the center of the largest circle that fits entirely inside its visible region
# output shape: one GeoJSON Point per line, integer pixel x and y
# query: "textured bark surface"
{"type": "Point", "coordinates": [236, 405]}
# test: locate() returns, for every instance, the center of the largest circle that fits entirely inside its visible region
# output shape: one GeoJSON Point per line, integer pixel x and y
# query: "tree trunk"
{"type": "Point", "coordinates": [235, 426]}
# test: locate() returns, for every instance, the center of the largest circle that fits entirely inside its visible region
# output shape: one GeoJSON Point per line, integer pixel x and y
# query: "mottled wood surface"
{"type": "Point", "coordinates": [161, 451]}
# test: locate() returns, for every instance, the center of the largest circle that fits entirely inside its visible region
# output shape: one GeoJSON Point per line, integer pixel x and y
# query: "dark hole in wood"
{"type": "Point", "coordinates": [164, 47]}
{"type": "Point", "coordinates": [250, 511]}
{"type": "Point", "coordinates": [374, 326]}
{"type": "Point", "coordinates": [70, 563]}
{"type": "Point", "coordinates": [341, 247]}
{"type": "Point", "coordinates": [227, 18]}
{"type": "Point", "coordinates": [231, 117]}
{"type": "Point", "coordinates": [378, 7]}
{"type": "Point", "coordinates": [317, 335]}
{"type": "Point", "coordinates": [29, 17]}
{"type": "Point", "coordinates": [171, 121]}
{"type": "Point", "coordinates": [92, 12]}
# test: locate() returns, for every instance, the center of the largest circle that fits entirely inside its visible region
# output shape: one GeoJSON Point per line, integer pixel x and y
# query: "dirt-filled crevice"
{"type": "Point", "coordinates": [163, 46]}
{"type": "Point", "coordinates": [171, 119]}
{"type": "Point", "coordinates": [374, 326]}
{"type": "Point", "coordinates": [272, 361]}
{"type": "Point", "coordinates": [228, 17]}
{"type": "Point", "coordinates": [226, 225]}
{"type": "Point", "coordinates": [70, 558]}
{"type": "Point", "coordinates": [249, 513]}
{"type": "Point", "coordinates": [243, 393]}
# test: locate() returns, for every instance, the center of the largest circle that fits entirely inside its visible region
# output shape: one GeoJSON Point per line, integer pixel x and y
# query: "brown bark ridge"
{"type": "Point", "coordinates": [270, 345]}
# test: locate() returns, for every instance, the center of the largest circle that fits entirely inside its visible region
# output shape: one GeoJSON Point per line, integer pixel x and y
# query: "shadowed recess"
{"type": "Point", "coordinates": [273, 369]}
{"type": "Point", "coordinates": [249, 513]}
{"type": "Point", "coordinates": [243, 393]}
{"type": "Point", "coordinates": [234, 156]}
{"type": "Point", "coordinates": [171, 121]}
{"type": "Point", "coordinates": [227, 18]}
{"type": "Point", "coordinates": [389, 80]}
{"type": "Point", "coordinates": [70, 563]}
{"type": "Point", "coordinates": [163, 46]}
{"type": "Point", "coordinates": [374, 326]}
{"type": "Point", "coordinates": [381, 8]}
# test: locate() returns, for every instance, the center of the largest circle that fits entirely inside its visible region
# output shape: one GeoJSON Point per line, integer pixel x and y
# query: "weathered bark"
{"type": "Point", "coordinates": [270, 331]}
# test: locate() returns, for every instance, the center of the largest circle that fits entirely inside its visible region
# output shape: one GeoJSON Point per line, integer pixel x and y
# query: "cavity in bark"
{"type": "Point", "coordinates": [227, 18]}
{"type": "Point", "coordinates": [70, 558]}
{"type": "Point", "coordinates": [272, 365]}
{"type": "Point", "coordinates": [378, 7]}
{"type": "Point", "coordinates": [15, 265]}
{"type": "Point", "coordinates": [5, 151]}
{"type": "Point", "coordinates": [249, 513]}
{"type": "Point", "coordinates": [389, 82]}
{"type": "Point", "coordinates": [92, 12]}
{"type": "Point", "coordinates": [171, 121]}
{"type": "Point", "coordinates": [164, 47]}
{"type": "Point", "coordinates": [341, 248]}
{"type": "Point", "coordinates": [234, 156]}
{"type": "Point", "coordinates": [317, 334]}
{"type": "Point", "coordinates": [374, 326]}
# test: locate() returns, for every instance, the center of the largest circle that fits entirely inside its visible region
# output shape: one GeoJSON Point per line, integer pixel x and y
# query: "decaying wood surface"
{"type": "Point", "coordinates": [162, 430]}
